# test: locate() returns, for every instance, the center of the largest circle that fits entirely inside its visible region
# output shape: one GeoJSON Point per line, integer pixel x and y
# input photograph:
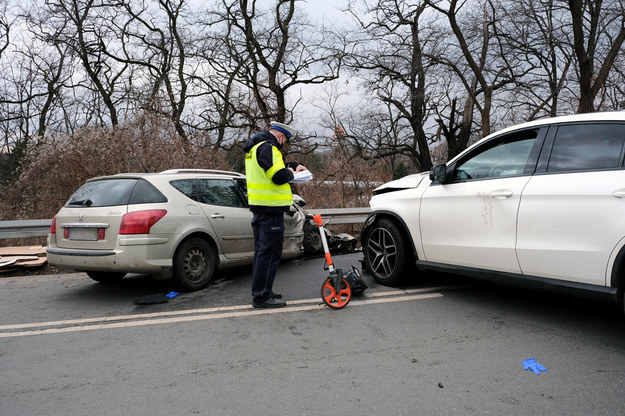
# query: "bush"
{"type": "Point", "coordinates": [58, 165]}
{"type": "Point", "coordinates": [53, 169]}
{"type": "Point", "coordinates": [341, 181]}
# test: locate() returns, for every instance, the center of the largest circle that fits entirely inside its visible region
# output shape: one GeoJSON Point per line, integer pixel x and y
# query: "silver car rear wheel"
{"type": "Point", "coordinates": [194, 265]}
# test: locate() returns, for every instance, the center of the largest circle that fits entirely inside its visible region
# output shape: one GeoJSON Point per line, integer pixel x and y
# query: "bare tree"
{"type": "Point", "coordinates": [392, 53]}
{"type": "Point", "coordinates": [157, 44]}
{"type": "Point", "coordinates": [5, 29]}
{"type": "Point", "coordinates": [598, 35]}
{"type": "Point", "coordinates": [276, 51]}
{"type": "Point", "coordinates": [87, 37]}
{"type": "Point", "coordinates": [613, 94]}
{"type": "Point", "coordinates": [51, 69]}
{"type": "Point", "coordinates": [539, 33]}
{"type": "Point", "coordinates": [222, 101]}
{"type": "Point", "coordinates": [481, 47]}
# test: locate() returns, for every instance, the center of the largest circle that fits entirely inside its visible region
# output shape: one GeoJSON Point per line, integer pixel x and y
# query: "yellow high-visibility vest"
{"type": "Point", "coordinates": [260, 189]}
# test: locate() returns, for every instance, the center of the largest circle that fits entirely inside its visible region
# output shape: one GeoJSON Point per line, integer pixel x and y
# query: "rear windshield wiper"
{"type": "Point", "coordinates": [85, 202]}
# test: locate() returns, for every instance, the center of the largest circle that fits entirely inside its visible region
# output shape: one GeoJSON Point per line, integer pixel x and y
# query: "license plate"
{"type": "Point", "coordinates": [83, 234]}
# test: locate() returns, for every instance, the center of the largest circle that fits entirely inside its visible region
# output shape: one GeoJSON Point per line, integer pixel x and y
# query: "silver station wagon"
{"type": "Point", "coordinates": [177, 224]}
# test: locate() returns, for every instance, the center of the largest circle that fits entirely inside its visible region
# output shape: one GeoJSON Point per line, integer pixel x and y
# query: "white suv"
{"type": "Point", "coordinates": [179, 224]}
{"type": "Point", "coordinates": [541, 204]}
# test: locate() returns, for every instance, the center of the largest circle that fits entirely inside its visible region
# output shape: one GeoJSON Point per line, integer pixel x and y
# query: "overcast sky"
{"type": "Point", "coordinates": [324, 9]}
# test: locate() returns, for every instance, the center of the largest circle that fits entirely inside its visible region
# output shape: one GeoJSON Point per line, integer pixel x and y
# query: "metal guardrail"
{"type": "Point", "coordinates": [24, 228]}
{"type": "Point", "coordinates": [342, 215]}
{"type": "Point", "coordinates": [40, 228]}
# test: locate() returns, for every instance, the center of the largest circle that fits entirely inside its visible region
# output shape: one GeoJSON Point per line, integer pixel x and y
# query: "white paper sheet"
{"type": "Point", "coordinates": [302, 176]}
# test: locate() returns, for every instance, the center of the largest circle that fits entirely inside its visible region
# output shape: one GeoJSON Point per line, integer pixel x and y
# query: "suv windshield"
{"type": "Point", "coordinates": [109, 192]}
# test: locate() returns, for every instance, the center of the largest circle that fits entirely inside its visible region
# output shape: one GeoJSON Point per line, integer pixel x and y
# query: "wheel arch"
{"type": "Point", "coordinates": [206, 237]}
{"type": "Point", "coordinates": [617, 278]}
{"type": "Point", "coordinates": [392, 216]}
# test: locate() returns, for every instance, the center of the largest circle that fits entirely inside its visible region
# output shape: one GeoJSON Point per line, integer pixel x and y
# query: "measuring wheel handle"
{"type": "Point", "coordinates": [333, 297]}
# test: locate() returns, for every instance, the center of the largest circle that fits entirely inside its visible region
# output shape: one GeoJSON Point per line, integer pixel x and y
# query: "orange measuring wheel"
{"type": "Point", "coordinates": [336, 299]}
{"type": "Point", "coordinates": [333, 296]}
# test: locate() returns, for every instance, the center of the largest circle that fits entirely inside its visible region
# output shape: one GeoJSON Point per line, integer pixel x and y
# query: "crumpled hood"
{"type": "Point", "coordinates": [410, 181]}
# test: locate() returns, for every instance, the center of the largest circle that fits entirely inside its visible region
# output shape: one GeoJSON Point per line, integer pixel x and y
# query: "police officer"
{"type": "Point", "coordinates": [269, 196]}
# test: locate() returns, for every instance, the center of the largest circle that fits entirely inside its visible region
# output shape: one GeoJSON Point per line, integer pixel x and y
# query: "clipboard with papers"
{"type": "Point", "coordinates": [301, 176]}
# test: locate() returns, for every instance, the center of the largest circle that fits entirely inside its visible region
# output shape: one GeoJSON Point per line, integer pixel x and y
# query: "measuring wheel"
{"type": "Point", "coordinates": [336, 299]}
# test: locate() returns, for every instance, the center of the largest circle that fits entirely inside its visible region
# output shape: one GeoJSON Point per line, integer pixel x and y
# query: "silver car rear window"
{"type": "Point", "coordinates": [110, 192]}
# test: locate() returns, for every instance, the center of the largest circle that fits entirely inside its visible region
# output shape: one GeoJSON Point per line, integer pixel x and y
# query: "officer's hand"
{"type": "Point", "coordinates": [301, 168]}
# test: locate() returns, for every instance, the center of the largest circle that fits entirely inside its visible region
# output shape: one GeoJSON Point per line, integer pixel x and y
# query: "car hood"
{"type": "Point", "coordinates": [407, 182]}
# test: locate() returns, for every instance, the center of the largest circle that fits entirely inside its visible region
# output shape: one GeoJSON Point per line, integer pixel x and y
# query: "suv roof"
{"type": "Point", "coordinates": [599, 116]}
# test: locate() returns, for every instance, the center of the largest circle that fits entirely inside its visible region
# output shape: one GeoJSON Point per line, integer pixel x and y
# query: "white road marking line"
{"type": "Point", "coordinates": [122, 317]}
{"type": "Point", "coordinates": [125, 321]}
{"type": "Point", "coordinates": [202, 310]}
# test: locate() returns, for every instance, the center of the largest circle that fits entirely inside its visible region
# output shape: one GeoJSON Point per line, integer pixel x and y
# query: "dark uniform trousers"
{"type": "Point", "coordinates": [268, 239]}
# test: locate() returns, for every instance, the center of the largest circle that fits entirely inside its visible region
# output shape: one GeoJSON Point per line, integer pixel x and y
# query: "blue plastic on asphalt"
{"type": "Point", "coordinates": [535, 366]}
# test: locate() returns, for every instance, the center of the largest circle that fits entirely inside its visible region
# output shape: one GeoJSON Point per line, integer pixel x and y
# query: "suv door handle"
{"type": "Point", "coordinates": [619, 194]}
{"type": "Point", "coordinates": [501, 194]}
{"type": "Point", "coordinates": [218, 215]}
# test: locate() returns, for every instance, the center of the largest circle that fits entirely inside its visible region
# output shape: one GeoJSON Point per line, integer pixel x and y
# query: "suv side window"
{"type": "Point", "coordinates": [507, 157]}
{"type": "Point", "coordinates": [580, 147]}
{"type": "Point", "coordinates": [219, 192]}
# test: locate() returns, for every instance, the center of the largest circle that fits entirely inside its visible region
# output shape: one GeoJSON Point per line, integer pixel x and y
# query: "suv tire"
{"type": "Point", "coordinates": [387, 253]}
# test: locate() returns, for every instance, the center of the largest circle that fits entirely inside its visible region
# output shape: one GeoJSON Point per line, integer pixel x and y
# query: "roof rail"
{"type": "Point", "coordinates": [214, 171]}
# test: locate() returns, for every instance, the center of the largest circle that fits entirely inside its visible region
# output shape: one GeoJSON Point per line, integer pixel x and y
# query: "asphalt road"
{"type": "Point", "coordinates": [441, 345]}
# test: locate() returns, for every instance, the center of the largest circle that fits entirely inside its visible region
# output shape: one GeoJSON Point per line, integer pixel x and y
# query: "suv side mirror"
{"type": "Point", "coordinates": [438, 173]}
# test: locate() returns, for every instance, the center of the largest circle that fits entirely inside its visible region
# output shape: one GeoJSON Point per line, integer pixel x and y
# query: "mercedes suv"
{"type": "Point", "coordinates": [539, 204]}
